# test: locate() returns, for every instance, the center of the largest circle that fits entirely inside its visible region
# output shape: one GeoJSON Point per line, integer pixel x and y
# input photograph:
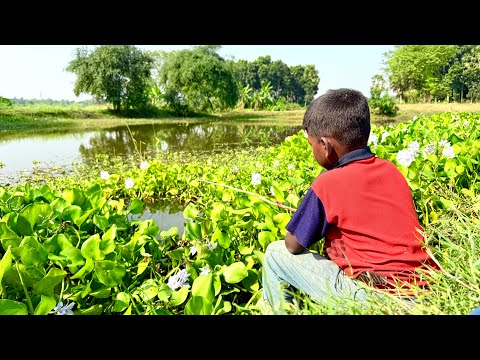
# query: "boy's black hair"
{"type": "Point", "coordinates": [343, 114]}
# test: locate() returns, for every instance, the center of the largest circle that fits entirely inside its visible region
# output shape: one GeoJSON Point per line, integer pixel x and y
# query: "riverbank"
{"type": "Point", "coordinates": [47, 118]}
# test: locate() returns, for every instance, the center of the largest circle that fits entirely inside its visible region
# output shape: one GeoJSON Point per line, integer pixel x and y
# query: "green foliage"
{"type": "Point", "coordinates": [4, 102]}
{"type": "Point", "coordinates": [115, 74]}
{"type": "Point", "coordinates": [380, 101]}
{"type": "Point", "coordinates": [434, 72]}
{"type": "Point", "coordinates": [296, 84]}
{"type": "Point", "coordinates": [195, 80]}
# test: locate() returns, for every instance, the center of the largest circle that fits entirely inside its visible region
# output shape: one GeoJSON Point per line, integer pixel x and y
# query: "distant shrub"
{"type": "Point", "coordinates": [4, 102]}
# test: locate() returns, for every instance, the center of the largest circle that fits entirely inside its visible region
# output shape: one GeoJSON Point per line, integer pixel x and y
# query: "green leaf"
{"type": "Point", "coordinates": [47, 284]}
{"type": "Point", "coordinates": [122, 301]}
{"type": "Point", "coordinates": [190, 212]}
{"type": "Point", "coordinates": [32, 253]}
{"type": "Point", "coordinates": [86, 269]}
{"type": "Point", "coordinates": [136, 206]}
{"type": "Point", "coordinates": [203, 286]}
{"type": "Point", "coordinates": [92, 310]}
{"type": "Point", "coordinates": [178, 297]}
{"type": "Point", "coordinates": [100, 221]}
{"type": "Point", "coordinates": [164, 292]}
{"type": "Point", "coordinates": [218, 212]}
{"type": "Point", "coordinates": [5, 263]}
{"type": "Point", "coordinates": [198, 305]}
{"type": "Point", "coordinates": [46, 304]}
{"type": "Point", "coordinates": [8, 237]}
{"type": "Point", "coordinates": [74, 196]}
{"type": "Point", "coordinates": [235, 273]}
{"type": "Point", "coordinates": [11, 307]}
{"type": "Point", "coordinates": [91, 248]}
{"type": "Point", "coordinates": [265, 238]}
{"type": "Point", "coordinates": [282, 219]}
{"type": "Point", "coordinates": [193, 231]}
{"type": "Point", "coordinates": [109, 273]}
{"type": "Point", "coordinates": [251, 282]}
{"type": "Point", "coordinates": [222, 238]}
{"type": "Point", "coordinates": [31, 215]}
{"type": "Point", "coordinates": [72, 213]}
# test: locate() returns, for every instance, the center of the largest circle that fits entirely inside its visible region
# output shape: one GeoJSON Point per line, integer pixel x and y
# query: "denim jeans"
{"type": "Point", "coordinates": [475, 311]}
{"type": "Point", "coordinates": [309, 272]}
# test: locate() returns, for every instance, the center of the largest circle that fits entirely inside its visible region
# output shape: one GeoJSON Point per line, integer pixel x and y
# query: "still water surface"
{"type": "Point", "coordinates": [62, 149]}
{"type": "Point", "coordinates": [23, 154]}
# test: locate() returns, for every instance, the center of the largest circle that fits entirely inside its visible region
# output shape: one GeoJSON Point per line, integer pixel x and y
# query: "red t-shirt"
{"type": "Point", "coordinates": [365, 211]}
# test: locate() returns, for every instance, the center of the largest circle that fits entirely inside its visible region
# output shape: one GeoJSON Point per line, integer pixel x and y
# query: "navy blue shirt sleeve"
{"type": "Point", "coordinates": [308, 222]}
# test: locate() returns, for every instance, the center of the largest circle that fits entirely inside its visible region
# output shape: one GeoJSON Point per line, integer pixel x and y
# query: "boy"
{"type": "Point", "coordinates": [362, 206]}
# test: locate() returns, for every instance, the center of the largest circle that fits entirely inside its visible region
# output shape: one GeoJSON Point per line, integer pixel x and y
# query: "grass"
{"type": "Point", "coordinates": [47, 118]}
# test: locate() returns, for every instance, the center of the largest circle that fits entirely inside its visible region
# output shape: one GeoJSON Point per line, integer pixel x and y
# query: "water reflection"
{"type": "Point", "coordinates": [164, 218]}
{"type": "Point", "coordinates": [185, 137]}
{"type": "Point", "coordinates": [26, 153]}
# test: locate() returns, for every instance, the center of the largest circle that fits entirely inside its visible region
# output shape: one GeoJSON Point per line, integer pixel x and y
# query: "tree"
{"type": "Point", "coordinates": [418, 67]}
{"type": "Point", "coordinates": [304, 84]}
{"type": "Point", "coordinates": [380, 101]}
{"type": "Point", "coordinates": [116, 74]}
{"type": "Point", "coordinates": [197, 80]}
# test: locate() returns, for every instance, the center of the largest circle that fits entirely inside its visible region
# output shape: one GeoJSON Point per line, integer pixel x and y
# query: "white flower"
{"type": "Point", "coordinates": [287, 138]}
{"type": "Point", "coordinates": [429, 149]}
{"type": "Point", "coordinates": [373, 139]}
{"type": "Point", "coordinates": [448, 152]}
{"type": "Point", "coordinates": [466, 123]}
{"type": "Point", "coordinates": [204, 270]}
{"type": "Point", "coordinates": [453, 117]}
{"type": "Point", "coordinates": [59, 309]}
{"type": "Point", "coordinates": [405, 157]}
{"type": "Point", "coordinates": [129, 183]}
{"type": "Point", "coordinates": [144, 165]}
{"type": "Point", "coordinates": [444, 143]}
{"type": "Point", "coordinates": [276, 163]}
{"type": "Point", "coordinates": [291, 167]}
{"type": "Point", "coordinates": [272, 191]}
{"type": "Point", "coordinates": [104, 175]}
{"type": "Point", "coordinates": [384, 136]}
{"type": "Point", "coordinates": [415, 118]}
{"type": "Point", "coordinates": [179, 280]}
{"type": "Point", "coordinates": [235, 170]}
{"type": "Point", "coordinates": [193, 250]}
{"type": "Point", "coordinates": [256, 179]}
{"type": "Point", "coordinates": [212, 246]}
{"type": "Point", "coordinates": [415, 147]}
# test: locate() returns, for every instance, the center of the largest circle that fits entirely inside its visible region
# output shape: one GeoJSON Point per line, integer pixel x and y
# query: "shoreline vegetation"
{"type": "Point", "coordinates": [46, 118]}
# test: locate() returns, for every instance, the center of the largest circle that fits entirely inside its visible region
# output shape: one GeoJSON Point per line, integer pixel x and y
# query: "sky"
{"type": "Point", "coordinates": [38, 71]}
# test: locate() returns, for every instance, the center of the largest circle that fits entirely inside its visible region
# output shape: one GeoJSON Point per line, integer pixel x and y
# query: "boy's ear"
{"type": "Point", "coordinates": [325, 143]}
{"type": "Point", "coordinates": [329, 149]}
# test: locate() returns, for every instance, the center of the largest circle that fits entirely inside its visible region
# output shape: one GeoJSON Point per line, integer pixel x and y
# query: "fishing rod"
{"type": "Point", "coordinates": [276, 203]}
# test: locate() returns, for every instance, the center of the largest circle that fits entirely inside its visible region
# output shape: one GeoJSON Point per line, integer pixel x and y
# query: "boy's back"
{"type": "Point", "coordinates": [372, 223]}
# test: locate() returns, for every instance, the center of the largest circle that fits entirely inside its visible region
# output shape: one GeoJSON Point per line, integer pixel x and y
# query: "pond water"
{"type": "Point", "coordinates": [21, 155]}
{"type": "Point", "coordinates": [25, 153]}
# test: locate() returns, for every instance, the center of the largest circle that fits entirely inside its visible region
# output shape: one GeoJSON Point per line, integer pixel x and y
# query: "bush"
{"type": "Point", "coordinates": [4, 102]}
{"type": "Point", "coordinates": [384, 105]}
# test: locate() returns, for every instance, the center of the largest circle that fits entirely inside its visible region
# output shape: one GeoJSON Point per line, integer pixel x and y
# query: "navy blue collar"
{"type": "Point", "coordinates": [354, 155]}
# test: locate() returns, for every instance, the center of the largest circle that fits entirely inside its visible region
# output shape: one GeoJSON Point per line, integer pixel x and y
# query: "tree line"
{"type": "Point", "coordinates": [190, 80]}
{"type": "Point", "coordinates": [426, 73]}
